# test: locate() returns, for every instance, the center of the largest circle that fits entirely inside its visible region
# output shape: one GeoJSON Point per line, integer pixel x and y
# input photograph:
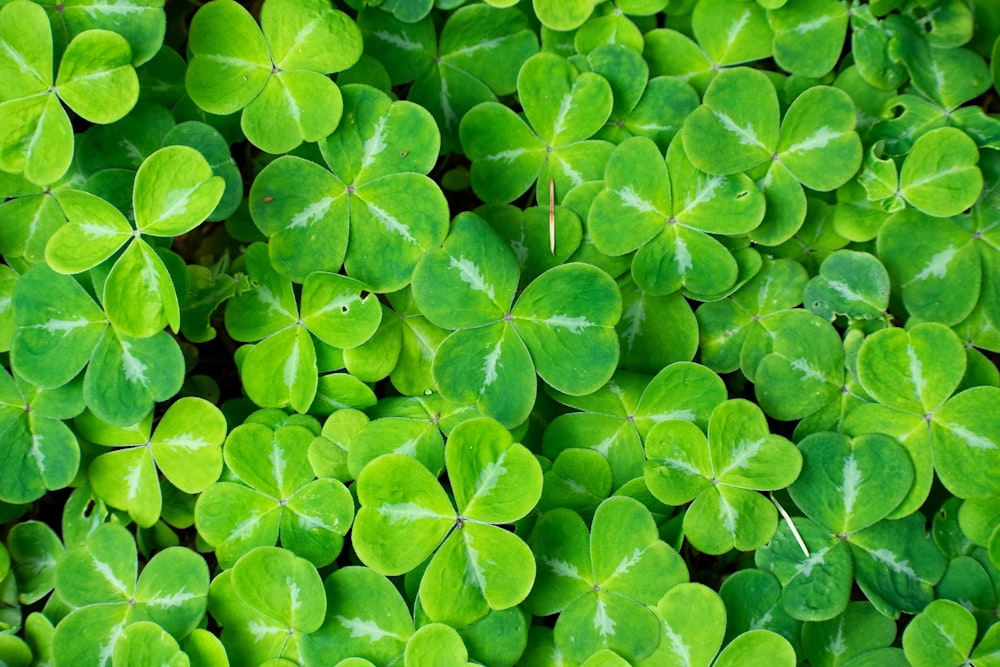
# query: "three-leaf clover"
{"type": "Point", "coordinates": [847, 487]}
{"type": "Point", "coordinates": [98, 579]}
{"type": "Point", "coordinates": [276, 73]}
{"type": "Point", "coordinates": [406, 517]}
{"type": "Point", "coordinates": [281, 369]}
{"type": "Point", "coordinates": [666, 209]}
{"type": "Point", "coordinates": [61, 332]}
{"type": "Point", "coordinates": [563, 108]}
{"type": "Point", "coordinates": [175, 191]}
{"type": "Point", "coordinates": [185, 447]}
{"type": "Point", "coordinates": [468, 285]}
{"type": "Point", "coordinates": [722, 473]}
{"type": "Point", "coordinates": [373, 210]}
{"type": "Point", "coordinates": [275, 495]}
{"type": "Point", "coordinates": [600, 581]}
{"type": "Point", "coordinates": [95, 79]}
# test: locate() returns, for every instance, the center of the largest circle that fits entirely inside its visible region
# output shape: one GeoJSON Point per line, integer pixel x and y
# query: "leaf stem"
{"type": "Point", "coordinates": [791, 526]}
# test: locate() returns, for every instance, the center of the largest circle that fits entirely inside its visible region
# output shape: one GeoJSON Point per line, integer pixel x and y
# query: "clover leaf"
{"type": "Point", "coordinates": [185, 447]}
{"type": "Point", "coordinates": [808, 35]}
{"type": "Point", "coordinates": [616, 418]}
{"type": "Point", "coordinates": [726, 33]}
{"type": "Point", "coordinates": [563, 109]}
{"type": "Point", "coordinates": [275, 494]}
{"type": "Point", "coordinates": [868, 476]}
{"type": "Point", "coordinates": [946, 277]}
{"type": "Point", "coordinates": [276, 73]}
{"type": "Point", "coordinates": [495, 481]}
{"type": "Point", "coordinates": [860, 631]}
{"type": "Point", "coordinates": [35, 550]}
{"type": "Point", "coordinates": [95, 79]}
{"type": "Point", "coordinates": [476, 58]}
{"type": "Point", "coordinates": [849, 283]}
{"type": "Point", "coordinates": [266, 603]}
{"type": "Point", "coordinates": [376, 196]}
{"type": "Point", "coordinates": [944, 633]}
{"type": "Point", "coordinates": [816, 141]}
{"type": "Point", "coordinates": [601, 582]}
{"type": "Point", "coordinates": [139, 295]}
{"type": "Point", "coordinates": [666, 209]}
{"type": "Point", "coordinates": [913, 374]}
{"type": "Point", "coordinates": [98, 578]}
{"type": "Point", "coordinates": [336, 309]}
{"type": "Point", "coordinates": [468, 285]}
{"type": "Point", "coordinates": [753, 602]}
{"type": "Point", "coordinates": [720, 474]}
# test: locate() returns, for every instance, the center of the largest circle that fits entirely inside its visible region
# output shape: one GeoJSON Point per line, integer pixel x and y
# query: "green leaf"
{"type": "Point", "coordinates": [229, 61]}
{"type": "Point", "coordinates": [470, 281]}
{"type": "Point", "coordinates": [293, 107]}
{"type": "Point", "coordinates": [804, 368]}
{"type": "Point", "coordinates": [849, 283]}
{"type": "Point", "coordinates": [145, 643]}
{"type": "Point", "coordinates": [563, 15]}
{"type": "Point", "coordinates": [26, 38]}
{"type": "Point", "coordinates": [757, 647]}
{"type": "Point", "coordinates": [494, 480]}
{"type": "Point", "coordinates": [731, 32]}
{"type": "Point", "coordinates": [404, 514]}
{"type": "Point", "coordinates": [366, 617]}
{"type": "Point", "coordinates": [299, 36]}
{"type": "Point", "coordinates": [435, 644]}
{"type": "Point", "coordinates": [896, 564]}
{"type": "Point", "coordinates": [849, 484]}
{"type": "Point", "coordinates": [338, 310]}
{"type": "Point", "coordinates": [175, 191]}
{"type": "Point", "coordinates": [942, 634]}
{"type": "Point", "coordinates": [967, 442]}
{"type": "Point", "coordinates": [820, 148]}
{"type": "Point", "coordinates": [808, 36]}
{"type": "Point", "coordinates": [727, 134]}
{"type": "Point", "coordinates": [490, 367]}
{"type": "Point", "coordinates": [96, 78]}
{"type": "Point", "coordinates": [571, 307]}
{"type": "Point", "coordinates": [101, 570]}
{"type": "Point", "coordinates": [295, 202]}
{"type": "Point", "coordinates": [861, 630]}
{"type": "Point", "coordinates": [281, 587]}
{"type": "Point", "coordinates": [939, 270]}
{"type": "Point", "coordinates": [506, 155]}
{"type": "Point", "coordinates": [479, 567]}
{"type": "Point", "coordinates": [128, 375]}
{"type": "Point", "coordinates": [59, 326]}
{"type": "Point", "coordinates": [914, 370]}
{"type": "Point", "coordinates": [693, 619]}
{"type": "Point", "coordinates": [815, 587]}
{"type": "Point", "coordinates": [36, 138]}
{"type": "Point", "coordinates": [95, 231]}
{"type": "Point", "coordinates": [36, 551]}
{"type": "Point", "coordinates": [187, 444]}
{"type": "Point", "coordinates": [940, 176]}
{"type": "Point", "coordinates": [139, 295]}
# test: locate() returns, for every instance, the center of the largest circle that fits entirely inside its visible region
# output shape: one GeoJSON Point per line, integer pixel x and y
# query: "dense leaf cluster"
{"type": "Point", "coordinates": [507, 332]}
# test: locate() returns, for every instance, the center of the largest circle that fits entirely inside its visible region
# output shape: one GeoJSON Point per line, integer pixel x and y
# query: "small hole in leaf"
{"type": "Point", "coordinates": [364, 294]}
{"type": "Point", "coordinates": [343, 309]}
{"type": "Point", "coordinates": [816, 304]}
{"type": "Point", "coordinates": [741, 195]}
{"type": "Point", "coordinates": [896, 110]}
{"type": "Point", "coordinates": [404, 153]}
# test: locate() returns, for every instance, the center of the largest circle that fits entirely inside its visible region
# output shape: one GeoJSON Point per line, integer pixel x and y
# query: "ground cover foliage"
{"type": "Point", "coordinates": [543, 332]}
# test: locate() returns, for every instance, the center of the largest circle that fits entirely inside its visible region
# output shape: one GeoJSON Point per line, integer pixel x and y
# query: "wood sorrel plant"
{"type": "Point", "coordinates": [497, 332]}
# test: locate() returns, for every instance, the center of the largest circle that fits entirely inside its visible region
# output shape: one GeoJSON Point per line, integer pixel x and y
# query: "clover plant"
{"type": "Point", "coordinates": [513, 333]}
